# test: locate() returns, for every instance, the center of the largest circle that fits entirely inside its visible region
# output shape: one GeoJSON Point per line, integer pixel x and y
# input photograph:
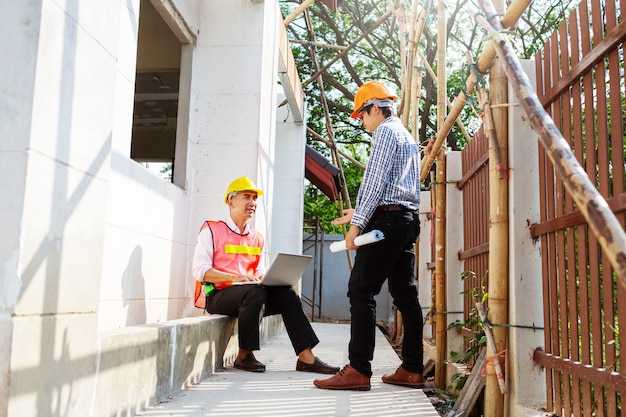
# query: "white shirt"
{"type": "Point", "coordinates": [203, 254]}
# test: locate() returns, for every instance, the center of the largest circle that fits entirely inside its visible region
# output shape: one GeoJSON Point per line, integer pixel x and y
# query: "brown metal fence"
{"type": "Point", "coordinates": [580, 81]}
{"type": "Point", "coordinates": [475, 187]}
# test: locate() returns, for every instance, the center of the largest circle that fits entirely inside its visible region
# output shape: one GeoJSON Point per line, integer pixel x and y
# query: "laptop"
{"type": "Point", "coordinates": [285, 270]}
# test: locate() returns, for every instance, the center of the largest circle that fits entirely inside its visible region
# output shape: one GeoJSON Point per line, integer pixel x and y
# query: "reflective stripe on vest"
{"type": "Point", "coordinates": [238, 249]}
{"type": "Point", "coordinates": [234, 253]}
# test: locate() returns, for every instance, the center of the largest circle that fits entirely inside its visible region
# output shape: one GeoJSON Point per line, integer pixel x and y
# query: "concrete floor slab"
{"type": "Point", "coordinates": [281, 391]}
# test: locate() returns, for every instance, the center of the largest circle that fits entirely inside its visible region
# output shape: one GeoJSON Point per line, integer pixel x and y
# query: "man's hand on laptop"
{"type": "Point", "coordinates": [245, 278]}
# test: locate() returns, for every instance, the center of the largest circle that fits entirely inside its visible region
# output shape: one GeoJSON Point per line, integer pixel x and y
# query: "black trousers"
{"type": "Point", "coordinates": [392, 259]}
{"type": "Point", "coordinates": [250, 303]}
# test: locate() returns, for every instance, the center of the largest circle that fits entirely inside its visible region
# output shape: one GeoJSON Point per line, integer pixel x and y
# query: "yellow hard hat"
{"type": "Point", "coordinates": [368, 91]}
{"type": "Point", "coordinates": [242, 184]}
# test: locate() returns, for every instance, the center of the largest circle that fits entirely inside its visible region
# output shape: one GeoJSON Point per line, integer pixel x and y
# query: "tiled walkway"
{"type": "Point", "coordinates": [282, 392]}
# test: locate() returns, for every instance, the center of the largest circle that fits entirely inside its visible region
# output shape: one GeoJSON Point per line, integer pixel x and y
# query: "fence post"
{"type": "Point", "coordinates": [454, 245]}
{"type": "Point", "coordinates": [527, 383]}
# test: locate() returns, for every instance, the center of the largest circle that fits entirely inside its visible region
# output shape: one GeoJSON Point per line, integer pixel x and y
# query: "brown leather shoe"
{"type": "Point", "coordinates": [318, 366]}
{"type": "Point", "coordinates": [249, 363]}
{"type": "Point", "coordinates": [347, 379]}
{"type": "Point", "coordinates": [404, 378]}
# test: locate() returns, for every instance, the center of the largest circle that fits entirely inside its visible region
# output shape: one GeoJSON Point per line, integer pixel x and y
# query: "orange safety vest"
{"type": "Point", "coordinates": [234, 253]}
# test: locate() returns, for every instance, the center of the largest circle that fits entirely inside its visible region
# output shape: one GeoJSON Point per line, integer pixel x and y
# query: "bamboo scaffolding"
{"type": "Point", "coordinates": [378, 22]}
{"type": "Point", "coordinates": [511, 16]}
{"type": "Point", "coordinates": [400, 16]}
{"type": "Point", "coordinates": [321, 70]}
{"type": "Point", "coordinates": [330, 145]}
{"type": "Point", "coordinates": [415, 32]}
{"type": "Point", "coordinates": [448, 103]}
{"type": "Point", "coordinates": [592, 205]}
{"type": "Point", "coordinates": [441, 323]}
{"type": "Point", "coordinates": [318, 44]}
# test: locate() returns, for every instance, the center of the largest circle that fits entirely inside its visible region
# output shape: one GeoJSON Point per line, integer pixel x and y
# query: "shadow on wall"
{"type": "Point", "coordinates": [134, 289]}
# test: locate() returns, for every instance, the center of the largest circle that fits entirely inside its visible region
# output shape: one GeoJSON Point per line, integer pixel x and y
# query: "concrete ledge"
{"type": "Point", "coordinates": [142, 365]}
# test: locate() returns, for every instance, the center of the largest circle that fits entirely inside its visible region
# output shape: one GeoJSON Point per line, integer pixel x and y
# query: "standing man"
{"type": "Point", "coordinates": [229, 252]}
{"type": "Point", "coordinates": [388, 200]}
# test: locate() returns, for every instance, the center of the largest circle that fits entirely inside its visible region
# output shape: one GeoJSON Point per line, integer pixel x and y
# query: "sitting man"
{"type": "Point", "coordinates": [231, 251]}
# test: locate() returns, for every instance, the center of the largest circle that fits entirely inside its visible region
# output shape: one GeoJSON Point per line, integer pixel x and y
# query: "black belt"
{"type": "Point", "coordinates": [392, 207]}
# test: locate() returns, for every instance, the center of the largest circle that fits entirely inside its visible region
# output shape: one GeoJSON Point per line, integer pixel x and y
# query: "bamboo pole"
{"type": "Point", "coordinates": [407, 88]}
{"type": "Point", "coordinates": [417, 78]}
{"type": "Point", "coordinates": [296, 12]}
{"type": "Point", "coordinates": [490, 130]}
{"type": "Point", "coordinates": [321, 45]}
{"type": "Point", "coordinates": [400, 16]}
{"type": "Point", "coordinates": [511, 16]}
{"type": "Point", "coordinates": [441, 323]}
{"type": "Point", "coordinates": [441, 318]}
{"type": "Point", "coordinates": [491, 344]}
{"type": "Point", "coordinates": [331, 145]}
{"type": "Point", "coordinates": [498, 263]}
{"type": "Point", "coordinates": [416, 93]}
{"type": "Point", "coordinates": [592, 205]}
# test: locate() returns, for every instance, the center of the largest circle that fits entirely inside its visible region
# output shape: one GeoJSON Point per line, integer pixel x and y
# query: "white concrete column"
{"type": "Point", "coordinates": [287, 200]}
{"type": "Point", "coordinates": [454, 244]}
{"type": "Point", "coordinates": [424, 258]}
{"type": "Point", "coordinates": [527, 382]}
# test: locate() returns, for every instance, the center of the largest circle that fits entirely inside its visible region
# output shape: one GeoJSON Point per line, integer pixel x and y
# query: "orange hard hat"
{"type": "Point", "coordinates": [368, 91]}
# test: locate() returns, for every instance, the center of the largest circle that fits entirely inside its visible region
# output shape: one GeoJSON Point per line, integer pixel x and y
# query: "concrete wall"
{"type": "Point", "coordinates": [96, 250]}
{"type": "Point", "coordinates": [57, 115]}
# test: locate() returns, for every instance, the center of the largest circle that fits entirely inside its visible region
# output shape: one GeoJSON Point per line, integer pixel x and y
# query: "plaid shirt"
{"type": "Point", "coordinates": [392, 174]}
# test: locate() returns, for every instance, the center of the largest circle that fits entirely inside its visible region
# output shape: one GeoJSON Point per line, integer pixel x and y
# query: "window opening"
{"type": "Point", "coordinates": [155, 112]}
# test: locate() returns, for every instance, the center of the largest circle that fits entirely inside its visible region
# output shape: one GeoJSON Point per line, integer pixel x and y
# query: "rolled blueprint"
{"type": "Point", "coordinates": [364, 239]}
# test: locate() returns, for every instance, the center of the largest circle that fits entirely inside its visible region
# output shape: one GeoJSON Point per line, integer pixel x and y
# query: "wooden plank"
{"type": "Point", "coordinates": [429, 367]}
{"type": "Point", "coordinates": [471, 390]}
